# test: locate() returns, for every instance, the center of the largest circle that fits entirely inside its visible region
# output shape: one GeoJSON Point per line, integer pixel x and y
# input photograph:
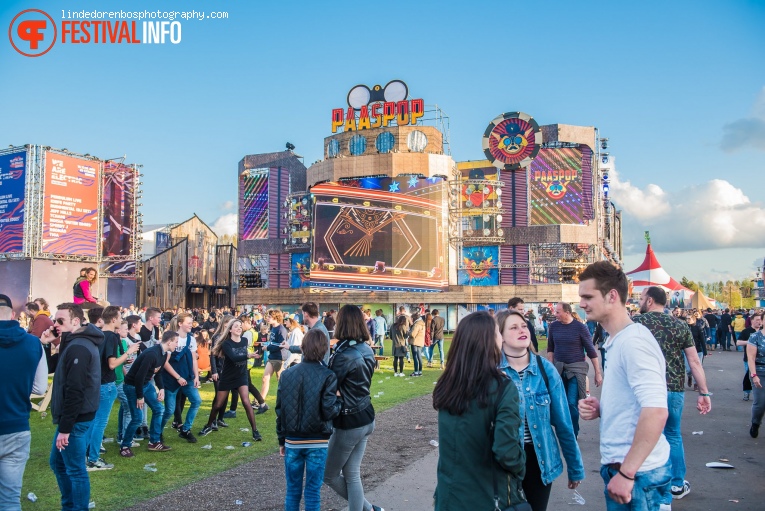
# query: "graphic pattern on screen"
{"type": "Point", "coordinates": [70, 213]}
{"type": "Point", "coordinates": [253, 206]}
{"type": "Point", "coordinates": [480, 266]}
{"type": "Point", "coordinates": [380, 233]}
{"type": "Point", "coordinates": [300, 268]}
{"type": "Point", "coordinates": [119, 202]}
{"type": "Point", "coordinates": [12, 181]}
{"type": "Point", "coordinates": [555, 182]}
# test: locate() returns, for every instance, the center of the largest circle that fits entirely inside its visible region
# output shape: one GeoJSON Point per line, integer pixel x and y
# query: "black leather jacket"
{"type": "Point", "coordinates": [354, 365]}
{"type": "Point", "coordinates": [306, 402]}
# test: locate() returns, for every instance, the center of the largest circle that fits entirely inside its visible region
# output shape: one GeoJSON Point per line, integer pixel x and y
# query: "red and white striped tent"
{"type": "Point", "coordinates": [650, 273]}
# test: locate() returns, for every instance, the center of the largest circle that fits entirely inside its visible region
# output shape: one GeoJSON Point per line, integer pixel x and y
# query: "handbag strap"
{"type": "Point", "coordinates": [544, 373]}
{"type": "Point", "coordinates": [500, 394]}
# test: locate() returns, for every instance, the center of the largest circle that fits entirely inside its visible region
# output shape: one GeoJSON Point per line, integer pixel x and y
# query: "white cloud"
{"type": "Point", "coordinates": [711, 215]}
{"type": "Point", "coordinates": [748, 132]}
{"type": "Point", "coordinates": [227, 206]}
{"type": "Point", "coordinates": [226, 224]}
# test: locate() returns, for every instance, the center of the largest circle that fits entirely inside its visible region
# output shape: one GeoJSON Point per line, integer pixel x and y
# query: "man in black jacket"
{"type": "Point", "coordinates": [76, 391]}
{"type": "Point", "coordinates": [437, 334]}
{"type": "Point", "coordinates": [306, 403]}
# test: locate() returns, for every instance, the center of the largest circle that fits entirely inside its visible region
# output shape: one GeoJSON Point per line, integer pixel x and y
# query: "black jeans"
{"type": "Point", "coordinates": [398, 364]}
{"type": "Point", "coordinates": [180, 403]}
{"type": "Point", "coordinates": [255, 392]}
{"type": "Point", "coordinates": [537, 493]}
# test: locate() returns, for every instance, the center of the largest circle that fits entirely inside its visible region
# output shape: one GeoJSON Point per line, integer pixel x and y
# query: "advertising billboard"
{"type": "Point", "coordinates": [12, 181]}
{"type": "Point", "coordinates": [479, 266]}
{"type": "Point", "coordinates": [557, 185]}
{"type": "Point", "coordinates": [119, 203]}
{"type": "Point", "coordinates": [380, 233]}
{"type": "Point", "coordinates": [70, 212]}
{"type": "Point", "coordinates": [253, 204]}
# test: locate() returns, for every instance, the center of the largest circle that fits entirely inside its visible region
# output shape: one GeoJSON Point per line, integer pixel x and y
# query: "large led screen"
{"type": "Point", "coordinates": [557, 185]}
{"type": "Point", "coordinates": [479, 266]}
{"type": "Point", "coordinates": [70, 214]}
{"type": "Point", "coordinates": [253, 204]}
{"type": "Point", "coordinates": [119, 202]}
{"type": "Point", "coordinates": [12, 180]}
{"type": "Point", "coordinates": [380, 233]}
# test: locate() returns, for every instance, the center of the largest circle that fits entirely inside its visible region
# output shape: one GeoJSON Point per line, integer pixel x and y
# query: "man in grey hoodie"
{"type": "Point", "coordinates": [76, 394]}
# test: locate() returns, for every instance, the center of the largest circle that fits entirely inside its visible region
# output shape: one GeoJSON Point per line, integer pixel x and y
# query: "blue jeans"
{"type": "Point", "coordinates": [98, 425]}
{"type": "Point", "coordinates": [675, 402]}
{"type": "Point", "coordinates": [713, 336]}
{"type": "Point", "coordinates": [650, 491]}
{"type": "Point", "coordinates": [312, 461]}
{"type": "Point", "coordinates": [342, 472]}
{"type": "Point", "coordinates": [192, 395]}
{"type": "Point", "coordinates": [380, 341]}
{"type": "Point", "coordinates": [123, 416]}
{"type": "Point", "coordinates": [428, 351]}
{"type": "Point", "coordinates": [157, 413]}
{"type": "Point", "coordinates": [440, 344]}
{"type": "Point", "coordinates": [68, 466]}
{"type": "Point", "coordinates": [417, 358]}
{"type": "Point", "coordinates": [14, 453]}
{"type": "Point", "coordinates": [572, 397]}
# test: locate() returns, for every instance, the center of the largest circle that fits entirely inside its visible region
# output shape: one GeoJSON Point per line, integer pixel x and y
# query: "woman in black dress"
{"type": "Point", "coordinates": [233, 376]}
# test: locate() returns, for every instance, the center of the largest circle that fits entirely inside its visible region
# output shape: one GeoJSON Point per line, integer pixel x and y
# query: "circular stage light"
{"type": "Point", "coordinates": [357, 145]}
{"type": "Point", "coordinates": [333, 148]}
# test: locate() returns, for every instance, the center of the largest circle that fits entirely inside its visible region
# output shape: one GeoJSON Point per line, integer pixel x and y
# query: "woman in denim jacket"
{"type": "Point", "coordinates": [543, 406]}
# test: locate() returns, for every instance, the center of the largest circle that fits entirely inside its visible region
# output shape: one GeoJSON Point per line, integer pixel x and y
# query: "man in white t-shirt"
{"type": "Point", "coordinates": [633, 406]}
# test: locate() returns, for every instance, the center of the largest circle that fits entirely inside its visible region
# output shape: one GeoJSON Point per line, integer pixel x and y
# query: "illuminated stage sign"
{"type": "Point", "coordinates": [12, 181]}
{"type": "Point", "coordinates": [378, 107]}
{"type": "Point", "coordinates": [70, 213]}
{"type": "Point", "coordinates": [480, 266]}
{"type": "Point", "coordinates": [512, 140]}
{"type": "Point", "coordinates": [253, 204]}
{"type": "Point", "coordinates": [380, 233]}
{"type": "Point", "coordinates": [558, 180]}
{"type": "Point", "coordinates": [119, 204]}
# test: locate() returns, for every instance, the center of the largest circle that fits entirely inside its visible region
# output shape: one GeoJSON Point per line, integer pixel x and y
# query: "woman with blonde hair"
{"type": "Point", "coordinates": [232, 349]}
{"type": "Point", "coordinates": [294, 341]}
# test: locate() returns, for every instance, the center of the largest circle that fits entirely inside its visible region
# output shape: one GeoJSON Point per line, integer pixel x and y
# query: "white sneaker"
{"type": "Point", "coordinates": [678, 492]}
{"type": "Point", "coordinates": [665, 507]}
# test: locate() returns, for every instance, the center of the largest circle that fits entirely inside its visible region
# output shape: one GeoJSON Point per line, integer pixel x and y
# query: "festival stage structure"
{"type": "Point", "coordinates": [61, 211]}
{"type": "Point", "coordinates": [388, 217]}
{"type": "Point", "coordinates": [190, 268]}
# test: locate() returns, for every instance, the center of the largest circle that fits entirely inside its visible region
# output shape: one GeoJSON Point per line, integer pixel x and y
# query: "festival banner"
{"type": "Point", "coordinates": [300, 269]}
{"type": "Point", "coordinates": [557, 187]}
{"type": "Point", "coordinates": [70, 211]}
{"type": "Point", "coordinates": [479, 266]}
{"type": "Point", "coordinates": [118, 201]}
{"type": "Point", "coordinates": [12, 182]}
{"type": "Point", "coordinates": [253, 205]}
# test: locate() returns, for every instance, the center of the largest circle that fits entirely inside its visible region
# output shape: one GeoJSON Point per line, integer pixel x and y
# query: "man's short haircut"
{"type": "Point", "coordinates": [132, 320]}
{"type": "Point", "coordinates": [566, 307]}
{"type": "Point", "coordinates": [607, 277]}
{"type": "Point", "coordinates": [110, 314]}
{"type": "Point", "coordinates": [32, 307]}
{"type": "Point", "coordinates": [95, 314]}
{"type": "Point", "coordinates": [169, 335]}
{"type": "Point", "coordinates": [512, 303]}
{"type": "Point", "coordinates": [75, 311]}
{"type": "Point", "coordinates": [276, 315]}
{"type": "Point", "coordinates": [311, 309]}
{"type": "Point", "coordinates": [657, 294]}
{"type": "Point", "coordinates": [314, 345]}
{"type": "Point", "coordinates": [402, 309]}
{"type": "Point", "coordinates": [378, 312]}
{"type": "Point", "coordinates": [151, 312]}
{"type": "Point", "coordinates": [435, 312]}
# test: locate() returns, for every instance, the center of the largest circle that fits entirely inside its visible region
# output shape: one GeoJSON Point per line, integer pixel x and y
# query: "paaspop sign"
{"type": "Point", "coordinates": [378, 107]}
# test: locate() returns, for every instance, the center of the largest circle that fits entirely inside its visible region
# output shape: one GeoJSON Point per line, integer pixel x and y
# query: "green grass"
{"type": "Point", "coordinates": [128, 483]}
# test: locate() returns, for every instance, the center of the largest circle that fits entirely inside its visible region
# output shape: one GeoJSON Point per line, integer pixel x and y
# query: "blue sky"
{"type": "Point", "coordinates": [678, 87]}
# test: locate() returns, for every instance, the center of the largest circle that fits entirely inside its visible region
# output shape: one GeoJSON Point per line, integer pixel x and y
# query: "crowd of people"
{"type": "Point", "coordinates": [504, 409]}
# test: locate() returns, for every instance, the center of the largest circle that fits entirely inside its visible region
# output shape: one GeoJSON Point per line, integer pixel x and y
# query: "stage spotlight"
{"type": "Point", "coordinates": [290, 146]}
{"type": "Point", "coordinates": [605, 176]}
{"type": "Point", "coordinates": [604, 157]}
{"type": "Point", "coordinates": [604, 143]}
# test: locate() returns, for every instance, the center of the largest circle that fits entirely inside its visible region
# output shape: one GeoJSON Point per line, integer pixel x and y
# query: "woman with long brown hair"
{"type": "Point", "coordinates": [478, 423]}
{"type": "Point", "coordinates": [233, 350]}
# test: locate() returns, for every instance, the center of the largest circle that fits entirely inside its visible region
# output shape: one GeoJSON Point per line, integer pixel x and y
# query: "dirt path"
{"type": "Point", "coordinates": [260, 485]}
